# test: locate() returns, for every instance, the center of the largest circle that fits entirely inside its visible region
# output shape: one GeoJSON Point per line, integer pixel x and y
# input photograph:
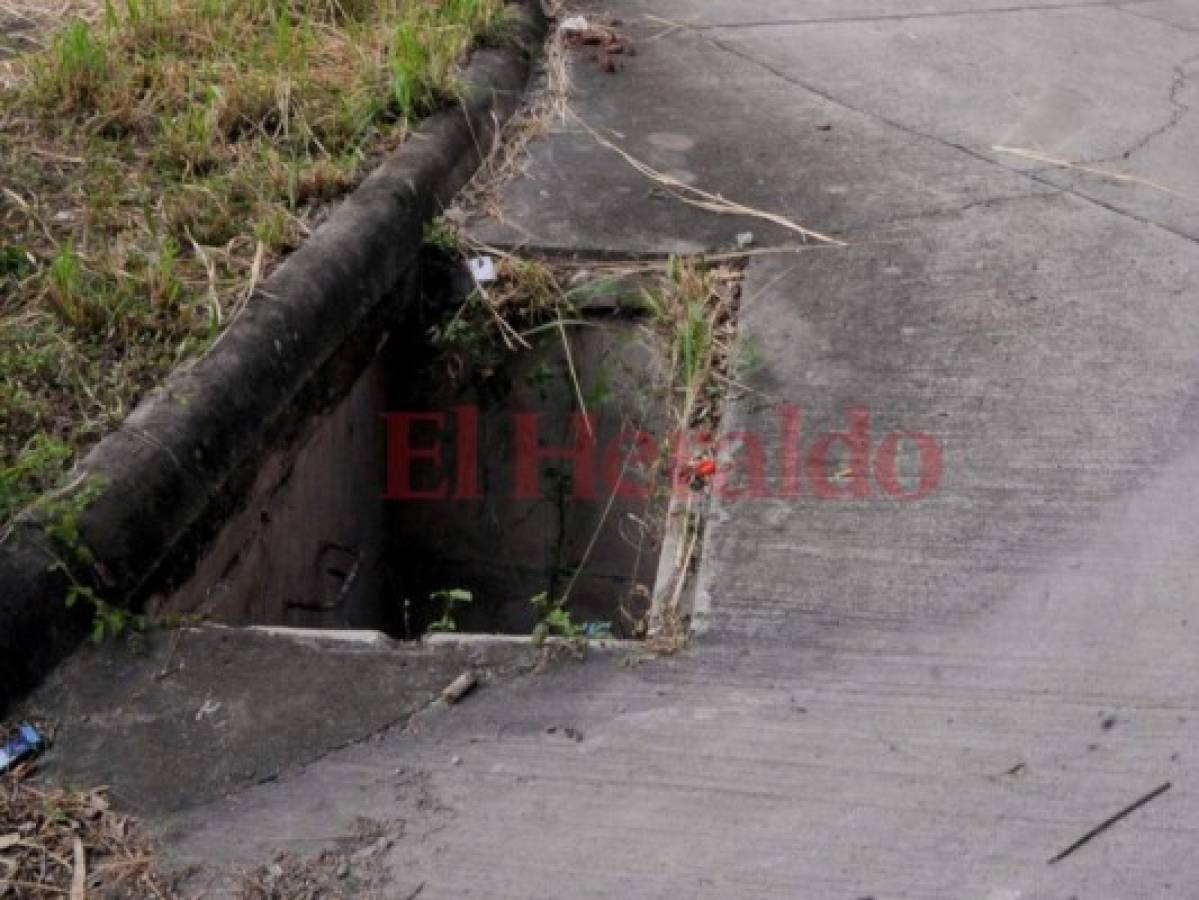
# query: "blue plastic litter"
{"type": "Point", "coordinates": [597, 630]}
{"type": "Point", "coordinates": [28, 743]}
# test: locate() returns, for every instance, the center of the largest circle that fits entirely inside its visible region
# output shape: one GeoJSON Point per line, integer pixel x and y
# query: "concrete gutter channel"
{"type": "Point", "coordinates": [181, 464]}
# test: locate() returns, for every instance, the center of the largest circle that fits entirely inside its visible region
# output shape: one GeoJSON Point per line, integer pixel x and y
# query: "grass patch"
{"type": "Point", "coordinates": [156, 161]}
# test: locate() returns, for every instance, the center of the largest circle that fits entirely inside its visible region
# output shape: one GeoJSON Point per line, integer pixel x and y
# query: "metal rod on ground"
{"type": "Point", "coordinates": [1108, 823]}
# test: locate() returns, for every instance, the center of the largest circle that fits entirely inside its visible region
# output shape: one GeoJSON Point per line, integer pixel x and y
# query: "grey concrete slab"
{"type": "Point", "coordinates": [1167, 189]}
{"type": "Point", "coordinates": [1043, 344]}
{"type": "Point", "coordinates": [1095, 85]}
{"type": "Point", "coordinates": [874, 767]}
{"type": "Point", "coordinates": [723, 123]}
{"type": "Point", "coordinates": [1051, 80]}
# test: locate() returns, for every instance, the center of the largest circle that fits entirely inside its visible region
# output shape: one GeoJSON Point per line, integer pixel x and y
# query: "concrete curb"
{"type": "Point", "coordinates": [183, 451]}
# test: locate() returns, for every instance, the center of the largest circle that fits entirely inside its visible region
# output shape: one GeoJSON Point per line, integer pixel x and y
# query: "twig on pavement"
{"type": "Point", "coordinates": [1108, 823]}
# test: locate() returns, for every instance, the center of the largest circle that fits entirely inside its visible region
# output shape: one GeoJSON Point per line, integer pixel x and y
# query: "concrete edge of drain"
{"type": "Point", "coordinates": [378, 640]}
{"type": "Point", "coordinates": [469, 637]}
{"type": "Point", "coordinates": [166, 465]}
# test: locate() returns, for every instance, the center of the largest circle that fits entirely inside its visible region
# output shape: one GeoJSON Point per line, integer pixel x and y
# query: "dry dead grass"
{"type": "Point", "coordinates": [61, 843]}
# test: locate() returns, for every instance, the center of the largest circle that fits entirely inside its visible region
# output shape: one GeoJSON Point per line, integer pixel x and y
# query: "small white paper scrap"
{"type": "Point", "coordinates": [483, 269]}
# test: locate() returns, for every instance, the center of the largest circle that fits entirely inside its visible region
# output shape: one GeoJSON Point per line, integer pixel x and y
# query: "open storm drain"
{"type": "Point", "coordinates": [530, 453]}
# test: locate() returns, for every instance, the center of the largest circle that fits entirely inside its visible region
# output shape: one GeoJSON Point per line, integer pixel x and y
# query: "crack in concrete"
{"type": "Point", "coordinates": [287, 769]}
{"type": "Point", "coordinates": [893, 17]}
{"type": "Point", "coordinates": [1181, 78]}
{"type": "Point", "coordinates": [1180, 81]}
{"type": "Point", "coordinates": [400, 721]}
{"type": "Point", "coordinates": [1034, 176]}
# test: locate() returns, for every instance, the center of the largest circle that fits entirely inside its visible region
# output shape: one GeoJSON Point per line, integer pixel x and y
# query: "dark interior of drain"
{"type": "Point", "coordinates": [570, 512]}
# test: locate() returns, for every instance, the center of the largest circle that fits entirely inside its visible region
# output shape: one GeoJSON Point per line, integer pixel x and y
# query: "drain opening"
{"type": "Point", "coordinates": [540, 459]}
{"type": "Point", "coordinates": [543, 485]}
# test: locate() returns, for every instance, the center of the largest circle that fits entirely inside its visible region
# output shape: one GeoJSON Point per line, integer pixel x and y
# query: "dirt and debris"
{"type": "Point", "coordinates": [557, 650]}
{"type": "Point", "coordinates": [354, 869]}
{"type": "Point", "coordinates": [327, 875]}
{"type": "Point", "coordinates": [604, 41]}
{"type": "Point", "coordinates": [66, 843]}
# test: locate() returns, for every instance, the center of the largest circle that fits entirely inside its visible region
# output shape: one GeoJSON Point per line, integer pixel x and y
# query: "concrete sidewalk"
{"type": "Point", "coordinates": [918, 700]}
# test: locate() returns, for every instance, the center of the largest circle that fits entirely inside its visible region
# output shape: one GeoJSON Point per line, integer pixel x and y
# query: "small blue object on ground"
{"type": "Point", "coordinates": [28, 742]}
